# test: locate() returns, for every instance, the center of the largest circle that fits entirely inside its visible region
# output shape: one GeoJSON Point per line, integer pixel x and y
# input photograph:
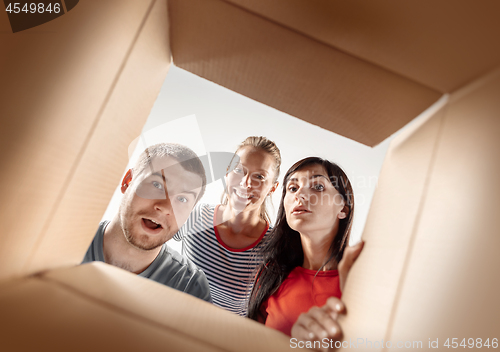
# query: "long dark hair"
{"type": "Point", "coordinates": [284, 250]}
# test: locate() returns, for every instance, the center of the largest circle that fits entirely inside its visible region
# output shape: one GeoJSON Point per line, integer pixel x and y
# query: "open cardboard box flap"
{"type": "Point", "coordinates": [430, 269]}
{"type": "Point", "coordinates": [360, 69]}
{"type": "Point", "coordinates": [78, 89]}
{"type": "Point", "coordinates": [98, 307]}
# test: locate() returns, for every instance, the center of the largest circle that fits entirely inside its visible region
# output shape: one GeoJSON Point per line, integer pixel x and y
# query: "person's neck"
{"type": "Point", "coordinates": [316, 249]}
{"type": "Point", "coordinates": [119, 252]}
{"type": "Point", "coordinates": [240, 222]}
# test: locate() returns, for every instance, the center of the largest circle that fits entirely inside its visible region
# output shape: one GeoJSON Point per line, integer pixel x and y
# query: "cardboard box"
{"type": "Point", "coordinates": [76, 90]}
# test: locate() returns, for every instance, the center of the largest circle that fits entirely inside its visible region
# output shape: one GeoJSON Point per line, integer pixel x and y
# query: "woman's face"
{"type": "Point", "coordinates": [251, 180]}
{"type": "Point", "coordinates": [312, 204]}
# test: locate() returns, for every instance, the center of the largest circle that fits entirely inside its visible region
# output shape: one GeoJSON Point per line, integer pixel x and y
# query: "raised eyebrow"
{"type": "Point", "coordinates": [259, 170]}
{"type": "Point", "coordinates": [193, 193]}
{"type": "Point", "coordinates": [313, 176]}
{"type": "Point", "coordinates": [316, 176]}
{"type": "Point", "coordinates": [159, 174]}
{"type": "Point", "coordinates": [260, 173]}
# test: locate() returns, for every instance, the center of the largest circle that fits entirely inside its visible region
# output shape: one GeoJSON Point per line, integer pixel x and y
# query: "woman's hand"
{"type": "Point", "coordinates": [320, 324]}
{"type": "Point", "coordinates": [351, 253]}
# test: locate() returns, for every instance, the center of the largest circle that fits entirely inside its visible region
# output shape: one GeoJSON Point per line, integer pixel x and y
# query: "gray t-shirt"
{"type": "Point", "coordinates": [169, 268]}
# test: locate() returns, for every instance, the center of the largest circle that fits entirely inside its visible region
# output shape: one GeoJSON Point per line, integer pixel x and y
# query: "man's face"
{"type": "Point", "coordinates": [157, 202]}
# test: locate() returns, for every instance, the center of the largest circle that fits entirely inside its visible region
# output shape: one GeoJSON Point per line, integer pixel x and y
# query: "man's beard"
{"type": "Point", "coordinates": [143, 242]}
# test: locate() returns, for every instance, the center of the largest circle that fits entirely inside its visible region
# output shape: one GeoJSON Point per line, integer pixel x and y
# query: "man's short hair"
{"type": "Point", "coordinates": [184, 155]}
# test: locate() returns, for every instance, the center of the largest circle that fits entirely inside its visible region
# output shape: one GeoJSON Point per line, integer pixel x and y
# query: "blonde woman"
{"type": "Point", "coordinates": [225, 240]}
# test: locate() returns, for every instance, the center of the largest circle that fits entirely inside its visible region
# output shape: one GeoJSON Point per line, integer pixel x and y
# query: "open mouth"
{"type": "Point", "coordinates": [151, 224]}
{"type": "Point", "coordinates": [300, 210]}
{"type": "Point", "coordinates": [244, 196]}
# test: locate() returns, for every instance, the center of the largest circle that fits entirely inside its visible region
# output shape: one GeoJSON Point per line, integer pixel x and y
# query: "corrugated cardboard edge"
{"type": "Point", "coordinates": [292, 72]}
{"type": "Point", "coordinates": [85, 307]}
{"type": "Point", "coordinates": [67, 126]}
{"type": "Point", "coordinates": [121, 119]}
{"type": "Point", "coordinates": [376, 286]}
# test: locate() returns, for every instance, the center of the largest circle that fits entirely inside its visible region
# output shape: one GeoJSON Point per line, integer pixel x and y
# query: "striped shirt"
{"type": "Point", "coordinates": [230, 272]}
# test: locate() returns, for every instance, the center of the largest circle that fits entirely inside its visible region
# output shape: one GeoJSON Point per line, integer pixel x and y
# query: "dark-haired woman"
{"type": "Point", "coordinates": [301, 261]}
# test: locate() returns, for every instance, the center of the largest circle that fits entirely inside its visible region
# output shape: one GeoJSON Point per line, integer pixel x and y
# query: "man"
{"type": "Point", "coordinates": [158, 196]}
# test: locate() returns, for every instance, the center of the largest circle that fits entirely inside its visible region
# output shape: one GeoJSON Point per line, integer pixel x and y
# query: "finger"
{"type": "Point", "coordinates": [308, 321]}
{"type": "Point", "coordinates": [313, 322]}
{"type": "Point", "coordinates": [336, 306]}
{"type": "Point", "coordinates": [301, 333]}
{"type": "Point", "coordinates": [325, 322]}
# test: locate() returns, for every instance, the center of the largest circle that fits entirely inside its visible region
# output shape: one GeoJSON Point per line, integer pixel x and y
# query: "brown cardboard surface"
{"type": "Point", "coordinates": [452, 284]}
{"type": "Point", "coordinates": [429, 269]}
{"type": "Point", "coordinates": [121, 121]}
{"type": "Point", "coordinates": [440, 44]}
{"type": "Point", "coordinates": [374, 280]}
{"type": "Point", "coordinates": [101, 308]}
{"type": "Point", "coordinates": [67, 117]}
{"type": "Point", "coordinates": [77, 90]}
{"type": "Point", "coordinates": [41, 316]}
{"type": "Point", "coordinates": [291, 72]}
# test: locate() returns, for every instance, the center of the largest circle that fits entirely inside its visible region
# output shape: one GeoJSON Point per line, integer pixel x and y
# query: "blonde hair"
{"type": "Point", "coordinates": [272, 149]}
